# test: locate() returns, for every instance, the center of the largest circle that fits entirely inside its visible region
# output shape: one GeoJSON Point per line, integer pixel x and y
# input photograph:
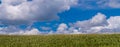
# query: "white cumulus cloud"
{"type": "Point", "coordinates": [23, 11]}
{"type": "Point", "coordinates": [12, 30]}
{"type": "Point", "coordinates": [98, 24]}
{"type": "Point", "coordinates": [62, 28]}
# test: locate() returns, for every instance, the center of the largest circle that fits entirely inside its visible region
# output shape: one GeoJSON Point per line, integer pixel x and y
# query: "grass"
{"type": "Point", "coordinates": [83, 40]}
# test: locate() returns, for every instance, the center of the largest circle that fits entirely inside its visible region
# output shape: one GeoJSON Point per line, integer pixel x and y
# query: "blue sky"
{"type": "Point", "coordinates": [59, 16]}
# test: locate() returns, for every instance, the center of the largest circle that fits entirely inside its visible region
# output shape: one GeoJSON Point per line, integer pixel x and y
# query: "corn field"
{"type": "Point", "coordinates": [82, 40]}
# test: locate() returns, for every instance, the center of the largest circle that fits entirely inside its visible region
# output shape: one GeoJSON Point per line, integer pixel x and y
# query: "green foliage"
{"type": "Point", "coordinates": [82, 40]}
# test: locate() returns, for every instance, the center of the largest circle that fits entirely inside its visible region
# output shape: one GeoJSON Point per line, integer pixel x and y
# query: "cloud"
{"type": "Point", "coordinates": [99, 4]}
{"type": "Point", "coordinates": [9, 29]}
{"type": "Point", "coordinates": [96, 21]}
{"type": "Point", "coordinates": [62, 28]}
{"type": "Point", "coordinates": [12, 30]}
{"type": "Point", "coordinates": [114, 3]}
{"type": "Point", "coordinates": [15, 12]}
{"type": "Point", "coordinates": [98, 24]}
{"type": "Point", "coordinates": [33, 31]}
{"type": "Point", "coordinates": [114, 25]}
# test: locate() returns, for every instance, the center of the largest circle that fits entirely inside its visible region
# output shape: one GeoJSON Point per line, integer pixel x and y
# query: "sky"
{"type": "Point", "coordinates": [34, 17]}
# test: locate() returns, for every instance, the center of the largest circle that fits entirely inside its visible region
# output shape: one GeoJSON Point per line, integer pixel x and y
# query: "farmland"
{"type": "Point", "coordinates": [82, 40]}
